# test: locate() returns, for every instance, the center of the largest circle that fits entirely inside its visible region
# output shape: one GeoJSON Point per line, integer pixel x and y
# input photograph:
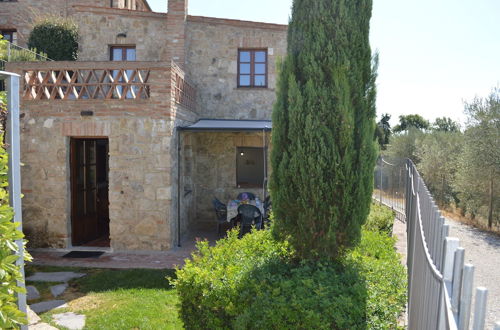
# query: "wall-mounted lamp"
{"type": "Point", "coordinates": [121, 35]}
{"type": "Point", "coordinates": [242, 153]}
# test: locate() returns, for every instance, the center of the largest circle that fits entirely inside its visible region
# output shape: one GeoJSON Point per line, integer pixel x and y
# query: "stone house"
{"type": "Point", "coordinates": [126, 147]}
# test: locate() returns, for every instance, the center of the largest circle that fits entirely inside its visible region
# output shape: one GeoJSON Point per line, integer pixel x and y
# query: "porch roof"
{"type": "Point", "coordinates": [230, 125]}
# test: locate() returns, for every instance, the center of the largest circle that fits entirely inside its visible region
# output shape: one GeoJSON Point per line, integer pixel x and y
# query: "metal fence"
{"type": "Point", "coordinates": [440, 285]}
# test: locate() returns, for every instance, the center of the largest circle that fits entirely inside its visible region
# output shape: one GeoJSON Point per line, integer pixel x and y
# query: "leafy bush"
{"type": "Point", "coordinates": [57, 37]}
{"type": "Point", "coordinates": [254, 283]}
{"type": "Point", "coordinates": [9, 272]}
{"type": "Point", "coordinates": [18, 54]}
{"type": "Point", "coordinates": [380, 219]}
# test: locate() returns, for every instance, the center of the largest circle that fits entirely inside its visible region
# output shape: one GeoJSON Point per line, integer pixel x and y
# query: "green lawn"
{"type": "Point", "coordinates": [118, 299]}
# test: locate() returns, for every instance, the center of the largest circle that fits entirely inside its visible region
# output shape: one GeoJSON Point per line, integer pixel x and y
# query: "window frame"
{"type": "Point", "coordinates": [263, 152]}
{"type": "Point", "coordinates": [11, 32]}
{"type": "Point", "coordinates": [124, 52]}
{"type": "Point", "coordinates": [252, 67]}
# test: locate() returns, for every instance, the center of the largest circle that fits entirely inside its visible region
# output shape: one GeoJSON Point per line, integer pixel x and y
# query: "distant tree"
{"type": "Point", "coordinates": [383, 131]}
{"type": "Point", "coordinates": [405, 145]}
{"type": "Point", "coordinates": [324, 151]}
{"type": "Point", "coordinates": [408, 121]}
{"type": "Point", "coordinates": [57, 37]}
{"type": "Point", "coordinates": [479, 168]}
{"type": "Point", "coordinates": [437, 153]}
{"type": "Point", "coordinates": [445, 124]}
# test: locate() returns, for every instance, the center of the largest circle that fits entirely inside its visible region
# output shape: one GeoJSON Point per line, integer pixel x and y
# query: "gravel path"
{"type": "Point", "coordinates": [482, 249]}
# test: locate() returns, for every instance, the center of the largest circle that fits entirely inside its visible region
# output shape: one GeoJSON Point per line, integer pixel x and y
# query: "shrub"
{"type": "Point", "coordinates": [10, 316]}
{"type": "Point", "coordinates": [254, 283]}
{"type": "Point", "coordinates": [380, 219]}
{"type": "Point", "coordinates": [57, 37]}
{"type": "Point", "coordinates": [323, 128]}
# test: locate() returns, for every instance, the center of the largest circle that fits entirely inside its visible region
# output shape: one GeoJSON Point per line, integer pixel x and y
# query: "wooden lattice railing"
{"type": "Point", "coordinates": [86, 84]}
{"type": "Point", "coordinates": [184, 93]}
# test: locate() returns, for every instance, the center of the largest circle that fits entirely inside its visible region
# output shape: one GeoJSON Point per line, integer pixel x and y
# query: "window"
{"type": "Point", "coordinates": [252, 68]}
{"type": "Point", "coordinates": [122, 53]}
{"type": "Point", "coordinates": [250, 171]}
{"type": "Point", "coordinates": [8, 35]}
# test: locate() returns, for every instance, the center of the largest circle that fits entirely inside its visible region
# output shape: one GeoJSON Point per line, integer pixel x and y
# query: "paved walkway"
{"type": "Point", "coordinates": [144, 259]}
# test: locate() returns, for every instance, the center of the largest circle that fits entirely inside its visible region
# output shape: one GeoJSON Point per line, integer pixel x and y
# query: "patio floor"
{"type": "Point", "coordinates": [120, 260]}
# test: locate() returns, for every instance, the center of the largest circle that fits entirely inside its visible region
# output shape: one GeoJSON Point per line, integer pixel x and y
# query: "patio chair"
{"type": "Point", "coordinates": [220, 213]}
{"type": "Point", "coordinates": [246, 195]}
{"type": "Point", "coordinates": [250, 215]}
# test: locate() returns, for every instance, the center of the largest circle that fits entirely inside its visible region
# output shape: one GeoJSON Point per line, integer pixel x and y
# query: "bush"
{"type": "Point", "coordinates": [380, 219]}
{"type": "Point", "coordinates": [253, 283]}
{"type": "Point", "coordinates": [57, 37]}
{"type": "Point", "coordinates": [10, 316]}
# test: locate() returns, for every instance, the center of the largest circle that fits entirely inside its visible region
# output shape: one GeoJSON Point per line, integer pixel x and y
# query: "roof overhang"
{"type": "Point", "coordinates": [228, 125]}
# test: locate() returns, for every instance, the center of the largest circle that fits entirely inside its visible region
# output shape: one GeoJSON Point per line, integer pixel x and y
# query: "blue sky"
{"type": "Point", "coordinates": [433, 54]}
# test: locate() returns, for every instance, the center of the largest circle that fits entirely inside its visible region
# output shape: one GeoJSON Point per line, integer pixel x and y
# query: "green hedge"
{"type": "Point", "coordinates": [10, 316]}
{"type": "Point", "coordinates": [255, 282]}
{"type": "Point", "coordinates": [381, 219]}
{"type": "Point", "coordinates": [56, 37]}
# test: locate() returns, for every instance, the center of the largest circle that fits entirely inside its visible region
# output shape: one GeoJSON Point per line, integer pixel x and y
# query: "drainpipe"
{"type": "Point", "coordinates": [178, 187]}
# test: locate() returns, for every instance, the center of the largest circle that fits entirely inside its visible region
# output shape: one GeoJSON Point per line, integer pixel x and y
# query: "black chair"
{"type": "Point", "coordinates": [250, 215]}
{"type": "Point", "coordinates": [249, 195]}
{"type": "Point", "coordinates": [220, 213]}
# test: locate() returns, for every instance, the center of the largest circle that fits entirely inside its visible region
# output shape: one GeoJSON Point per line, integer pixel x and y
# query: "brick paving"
{"type": "Point", "coordinates": [122, 260]}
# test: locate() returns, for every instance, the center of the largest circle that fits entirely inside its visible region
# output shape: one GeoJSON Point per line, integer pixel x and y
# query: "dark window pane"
{"type": "Point", "coordinates": [250, 167]}
{"type": "Point", "coordinates": [260, 80]}
{"type": "Point", "coordinates": [260, 69]}
{"type": "Point", "coordinates": [244, 80]}
{"type": "Point", "coordinates": [130, 54]}
{"type": "Point", "coordinates": [245, 68]}
{"type": "Point", "coordinates": [260, 56]}
{"type": "Point", "coordinates": [244, 56]}
{"type": "Point", "coordinates": [117, 54]}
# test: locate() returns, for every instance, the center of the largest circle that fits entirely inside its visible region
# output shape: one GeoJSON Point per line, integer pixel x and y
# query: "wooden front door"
{"type": "Point", "coordinates": [89, 191]}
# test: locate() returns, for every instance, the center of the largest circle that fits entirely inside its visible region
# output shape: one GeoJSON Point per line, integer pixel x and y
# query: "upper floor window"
{"type": "Point", "coordinates": [252, 68]}
{"type": "Point", "coordinates": [122, 53]}
{"type": "Point", "coordinates": [8, 35]}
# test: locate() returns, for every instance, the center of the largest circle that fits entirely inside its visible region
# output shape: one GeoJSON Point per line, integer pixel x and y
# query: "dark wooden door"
{"type": "Point", "coordinates": [89, 190]}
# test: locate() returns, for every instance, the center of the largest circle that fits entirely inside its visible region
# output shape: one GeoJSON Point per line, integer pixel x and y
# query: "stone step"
{"type": "Point", "coordinates": [70, 320]}
{"type": "Point", "coordinates": [54, 277]}
{"type": "Point", "coordinates": [45, 306]}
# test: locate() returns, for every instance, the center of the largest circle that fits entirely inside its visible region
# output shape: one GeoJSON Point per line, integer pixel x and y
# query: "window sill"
{"type": "Point", "coordinates": [254, 89]}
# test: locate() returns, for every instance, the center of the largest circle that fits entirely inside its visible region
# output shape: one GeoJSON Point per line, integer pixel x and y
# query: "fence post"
{"type": "Point", "coordinates": [466, 297]}
{"type": "Point", "coordinates": [480, 308]}
{"type": "Point", "coordinates": [457, 281]}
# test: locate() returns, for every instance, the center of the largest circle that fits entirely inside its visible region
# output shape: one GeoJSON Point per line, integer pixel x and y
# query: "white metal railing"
{"type": "Point", "coordinates": [17, 53]}
{"type": "Point", "coordinates": [440, 285]}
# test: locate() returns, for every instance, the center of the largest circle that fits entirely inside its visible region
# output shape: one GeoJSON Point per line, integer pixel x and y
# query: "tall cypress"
{"type": "Point", "coordinates": [323, 128]}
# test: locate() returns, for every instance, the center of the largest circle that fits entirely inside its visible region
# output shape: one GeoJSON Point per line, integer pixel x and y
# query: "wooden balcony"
{"type": "Point", "coordinates": [102, 81]}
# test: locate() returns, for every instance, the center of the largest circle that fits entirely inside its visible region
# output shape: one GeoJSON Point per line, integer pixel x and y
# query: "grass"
{"type": "Point", "coordinates": [118, 299]}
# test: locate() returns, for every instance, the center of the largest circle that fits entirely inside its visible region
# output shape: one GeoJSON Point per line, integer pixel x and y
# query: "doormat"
{"type": "Point", "coordinates": [83, 254]}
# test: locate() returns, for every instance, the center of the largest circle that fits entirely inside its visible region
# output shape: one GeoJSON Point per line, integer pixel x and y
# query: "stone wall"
{"type": "Point", "coordinates": [99, 25]}
{"type": "Point", "coordinates": [212, 54]}
{"type": "Point", "coordinates": [21, 14]}
{"type": "Point", "coordinates": [141, 168]}
{"type": "Point", "coordinates": [210, 170]}
{"type": "Point", "coordinates": [100, 28]}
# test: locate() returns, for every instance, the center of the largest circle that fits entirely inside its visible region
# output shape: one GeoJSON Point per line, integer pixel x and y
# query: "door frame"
{"type": "Point", "coordinates": [70, 203]}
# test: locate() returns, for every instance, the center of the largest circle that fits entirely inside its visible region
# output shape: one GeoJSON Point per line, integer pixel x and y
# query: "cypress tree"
{"type": "Point", "coordinates": [324, 151]}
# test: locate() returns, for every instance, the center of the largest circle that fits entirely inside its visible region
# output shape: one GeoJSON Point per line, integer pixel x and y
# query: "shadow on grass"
{"type": "Point", "coordinates": [113, 279]}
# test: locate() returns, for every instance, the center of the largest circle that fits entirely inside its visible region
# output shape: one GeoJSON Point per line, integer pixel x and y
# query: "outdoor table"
{"type": "Point", "coordinates": [232, 208]}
